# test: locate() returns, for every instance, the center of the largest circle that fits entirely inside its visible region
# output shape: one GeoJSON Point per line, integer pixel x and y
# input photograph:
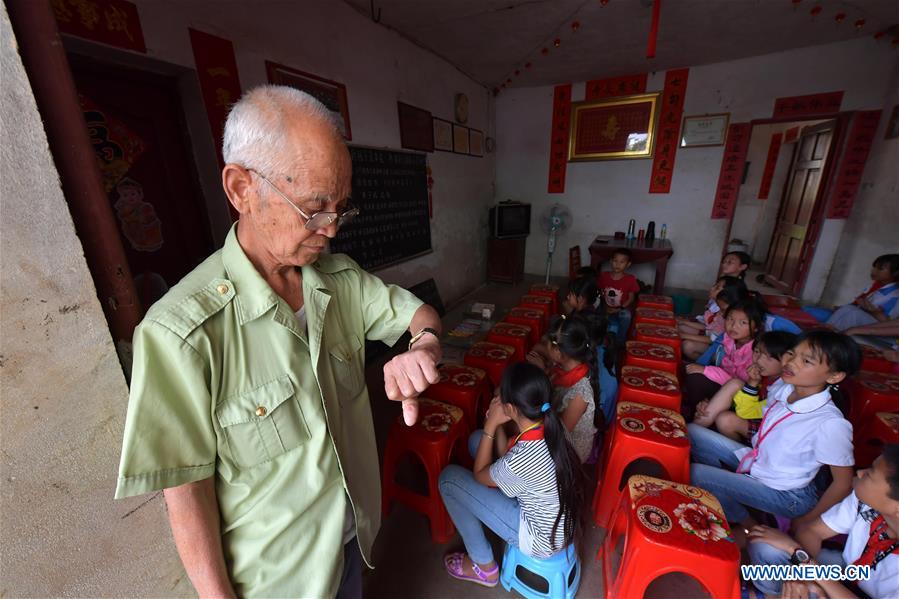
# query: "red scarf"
{"type": "Point", "coordinates": [879, 545]}
{"type": "Point", "coordinates": [874, 287]}
{"type": "Point", "coordinates": [561, 378]}
{"type": "Point", "coordinates": [530, 434]}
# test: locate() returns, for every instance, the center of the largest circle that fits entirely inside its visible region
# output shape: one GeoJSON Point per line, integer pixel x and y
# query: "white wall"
{"type": "Point", "coordinates": [873, 227]}
{"type": "Point", "coordinates": [378, 67]}
{"type": "Point", "coordinates": [604, 195]}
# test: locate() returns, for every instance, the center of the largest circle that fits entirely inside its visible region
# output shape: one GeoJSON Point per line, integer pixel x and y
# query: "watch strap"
{"type": "Point", "coordinates": [421, 334]}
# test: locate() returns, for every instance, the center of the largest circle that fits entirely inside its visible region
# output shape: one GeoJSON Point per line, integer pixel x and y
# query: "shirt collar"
{"type": "Point", "coordinates": [806, 404]}
{"type": "Point", "coordinates": [253, 295]}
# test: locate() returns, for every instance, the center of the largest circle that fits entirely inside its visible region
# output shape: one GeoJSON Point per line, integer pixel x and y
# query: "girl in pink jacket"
{"type": "Point", "coordinates": [743, 321]}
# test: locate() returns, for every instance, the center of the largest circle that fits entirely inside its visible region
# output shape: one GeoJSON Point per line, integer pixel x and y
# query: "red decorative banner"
{"type": "Point", "coordinates": [219, 82]}
{"type": "Point", "coordinates": [770, 165]}
{"type": "Point", "coordinates": [735, 149]}
{"type": "Point", "coordinates": [812, 104]}
{"type": "Point", "coordinates": [668, 130]}
{"type": "Point", "coordinates": [791, 135]}
{"type": "Point", "coordinates": [113, 22]}
{"type": "Point", "coordinates": [558, 144]}
{"type": "Point", "coordinates": [615, 86]}
{"type": "Point", "coordinates": [852, 165]}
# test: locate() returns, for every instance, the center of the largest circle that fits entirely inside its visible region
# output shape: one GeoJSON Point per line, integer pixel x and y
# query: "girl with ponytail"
{"type": "Point", "coordinates": [532, 496]}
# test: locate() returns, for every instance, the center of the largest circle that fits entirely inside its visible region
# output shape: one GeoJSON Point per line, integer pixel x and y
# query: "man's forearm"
{"type": "Point", "coordinates": [194, 517]}
{"type": "Point", "coordinates": [427, 317]}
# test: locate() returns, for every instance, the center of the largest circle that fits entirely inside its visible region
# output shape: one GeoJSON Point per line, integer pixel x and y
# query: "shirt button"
{"type": "Point", "coordinates": [222, 289]}
{"type": "Point", "coordinates": [261, 411]}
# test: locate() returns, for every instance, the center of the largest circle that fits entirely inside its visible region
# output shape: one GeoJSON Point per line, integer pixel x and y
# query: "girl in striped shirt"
{"type": "Point", "coordinates": [531, 496]}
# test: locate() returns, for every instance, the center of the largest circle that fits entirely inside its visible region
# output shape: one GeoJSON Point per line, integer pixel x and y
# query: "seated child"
{"type": "Point", "coordinates": [735, 264]}
{"type": "Point", "coordinates": [571, 363]}
{"type": "Point", "coordinates": [878, 303]}
{"type": "Point", "coordinates": [870, 518]}
{"type": "Point", "coordinates": [747, 399]}
{"type": "Point", "coordinates": [619, 290]}
{"type": "Point", "coordinates": [801, 430]}
{"type": "Point", "coordinates": [743, 321]}
{"type": "Point", "coordinates": [698, 335]}
{"type": "Point", "coordinates": [582, 295]}
{"type": "Point", "coordinates": [532, 496]}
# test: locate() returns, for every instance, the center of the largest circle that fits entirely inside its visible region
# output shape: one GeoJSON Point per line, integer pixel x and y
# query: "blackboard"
{"type": "Point", "coordinates": [391, 189]}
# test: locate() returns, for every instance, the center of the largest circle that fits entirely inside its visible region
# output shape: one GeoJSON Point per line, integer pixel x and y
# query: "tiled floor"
{"type": "Point", "coordinates": [409, 565]}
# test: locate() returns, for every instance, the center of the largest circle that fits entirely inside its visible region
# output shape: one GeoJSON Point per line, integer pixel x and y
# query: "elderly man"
{"type": "Point", "coordinates": [248, 402]}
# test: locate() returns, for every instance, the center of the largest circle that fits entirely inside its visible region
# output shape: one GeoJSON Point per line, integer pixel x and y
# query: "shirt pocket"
{"type": "Point", "coordinates": [262, 423]}
{"type": "Point", "coordinates": [347, 366]}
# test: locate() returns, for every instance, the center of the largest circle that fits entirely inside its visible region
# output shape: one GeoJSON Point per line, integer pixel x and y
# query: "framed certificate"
{"type": "Point", "coordinates": [704, 130]}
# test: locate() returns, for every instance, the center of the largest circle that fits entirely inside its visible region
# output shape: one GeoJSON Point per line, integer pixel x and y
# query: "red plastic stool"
{"type": "Point", "coordinates": [538, 302]}
{"type": "Point", "coordinates": [780, 301]}
{"type": "Point", "coordinates": [656, 333]}
{"type": "Point", "coordinates": [645, 432]}
{"type": "Point", "coordinates": [465, 387]}
{"type": "Point", "coordinates": [651, 355]}
{"type": "Point", "coordinates": [655, 316]}
{"type": "Point", "coordinates": [529, 317]}
{"type": "Point", "coordinates": [871, 392]}
{"type": "Point", "coordinates": [650, 386]}
{"type": "Point", "coordinates": [491, 357]}
{"type": "Point", "coordinates": [439, 429]}
{"type": "Point", "coordinates": [661, 302]}
{"type": "Point", "coordinates": [550, 291]}
{"type": "Point", "coordinates": [870, 437]}
{"type": "Point", "coordinates": [516, 335]}
{"type": "Point", "coordinates": [803, 319]}
{"type": "Point", "coordinates": [873, 360]}
{"type": "Point", "coordinates": [669, 527]}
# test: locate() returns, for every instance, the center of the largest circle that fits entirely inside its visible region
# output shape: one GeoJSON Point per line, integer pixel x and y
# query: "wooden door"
{"type": "Point", "coordinates": [138, 132]}
{"type": "Point", "coordinates": [802, 192]}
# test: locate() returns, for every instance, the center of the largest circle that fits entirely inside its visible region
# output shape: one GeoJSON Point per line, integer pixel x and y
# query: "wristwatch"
{"type": "Point", "coordinates": [421, 334]}
{"type": "Point", "coordinates": [799, 557]}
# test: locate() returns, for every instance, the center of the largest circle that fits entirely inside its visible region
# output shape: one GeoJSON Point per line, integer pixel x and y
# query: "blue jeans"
{"type": "Point", "coordinates": [622, 321]}
{"type": "Point", "coordinates": [712, 470]}
{"type": "Point", "coordinates": [764, 554]}
{"type": "Point", "coordinates": [470, 504]}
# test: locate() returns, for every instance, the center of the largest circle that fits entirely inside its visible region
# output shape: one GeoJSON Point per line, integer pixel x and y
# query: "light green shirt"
{"type": "Point", "coordinates": [227, 384]}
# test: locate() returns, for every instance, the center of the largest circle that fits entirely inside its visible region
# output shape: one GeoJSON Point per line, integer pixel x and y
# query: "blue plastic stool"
{"type": "Point", "coordinates": [557, 571]}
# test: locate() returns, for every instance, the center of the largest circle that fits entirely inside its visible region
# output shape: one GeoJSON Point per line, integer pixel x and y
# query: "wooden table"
{"type": "Point", "coordinates": [658, 251]}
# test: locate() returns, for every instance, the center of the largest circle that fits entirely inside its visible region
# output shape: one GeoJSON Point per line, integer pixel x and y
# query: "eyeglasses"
{"type": "Point", "coordinates": [319, 220]}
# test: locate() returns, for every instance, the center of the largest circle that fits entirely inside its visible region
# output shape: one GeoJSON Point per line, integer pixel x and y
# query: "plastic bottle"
{"type": "Point", "coordinates": [664, 232]}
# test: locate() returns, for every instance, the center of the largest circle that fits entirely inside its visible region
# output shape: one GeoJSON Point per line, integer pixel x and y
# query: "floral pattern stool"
{"type": "Point", "coordinates": [491, 357]}
{"type": "Point", "coordinates": [528, 317]}
{"type": "Point", "coordinates": [655, 316]}
{"type": "Point", "coordinates": [550, 291]}
{"type": "Point", "coordinates": [465, 387]}
{"type": "Point", "coordinates": [871, 392]}
{"type": "Point", "coordinates": [640, 432]}
{"type": "Point", "coordinates": [870, 437]}
{"type": "Point", "coordinates": [651, 355]}
{"type": "Point", "coordinates": [538, 302]}
{"type": "Point", "coordinates": [873, 360]}
{"type": "Point", "coordinates": [658, 333]}
{"type": "Point", "coordinates": [516, 335]}
{"type": "Point", "coordinates": [650, 386]}
{"type": "Point", "coordinates": [669, 527]}
{"type": "Point", "coordinates": [662, 302]}
{"type": "Point", "coordinates": [440, 430]}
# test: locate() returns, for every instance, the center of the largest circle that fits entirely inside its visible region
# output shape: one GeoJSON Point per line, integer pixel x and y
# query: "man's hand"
{"type": "Point", "coordinates": [695, 368]}
{"type": "Point", "coordinates": [798, 589]}
{"type": "Point", "coordinates": [772, 536]}
{"type": "Point", "coordinates": [407, 375]}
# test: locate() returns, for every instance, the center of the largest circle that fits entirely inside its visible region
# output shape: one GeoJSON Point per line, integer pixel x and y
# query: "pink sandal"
{"type": "Point", "coordinates": [453, 563]}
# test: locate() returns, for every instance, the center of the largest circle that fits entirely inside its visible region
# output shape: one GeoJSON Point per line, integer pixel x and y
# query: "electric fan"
{"type": "Point", "coordinates": [553, 220]}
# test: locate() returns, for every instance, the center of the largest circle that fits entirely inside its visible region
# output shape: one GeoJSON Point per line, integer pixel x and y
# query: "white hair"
{"type": "Point", "coordinates": [254, 135]}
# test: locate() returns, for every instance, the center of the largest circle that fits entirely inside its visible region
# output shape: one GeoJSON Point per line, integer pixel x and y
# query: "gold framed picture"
{"type": "Point", "coordinates": [613, 128]}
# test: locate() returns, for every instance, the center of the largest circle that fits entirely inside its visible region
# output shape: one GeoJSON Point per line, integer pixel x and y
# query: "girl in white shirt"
{"type": "Point", "coordinates": [801, 431]}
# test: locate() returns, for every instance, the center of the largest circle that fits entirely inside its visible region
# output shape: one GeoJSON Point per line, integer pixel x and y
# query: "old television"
{"type": "Point", "coordinates": [510, 219]}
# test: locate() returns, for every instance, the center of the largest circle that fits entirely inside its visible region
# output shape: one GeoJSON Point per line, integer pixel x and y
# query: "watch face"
{"type": "Point", "coordinates": [800, 556]}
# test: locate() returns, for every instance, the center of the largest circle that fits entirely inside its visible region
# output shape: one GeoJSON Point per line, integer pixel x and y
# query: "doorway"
{"type": "Point", "coordinates": [780, 205]}
{"type": "Point", "coordinates": [137, 129]}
